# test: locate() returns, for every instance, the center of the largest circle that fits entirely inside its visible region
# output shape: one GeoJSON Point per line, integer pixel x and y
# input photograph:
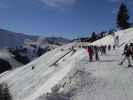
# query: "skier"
{"type": "Point", "coordinates": [127, 53]}
{"type": "Point", "coordinates": [90, 52]}
{"type": "Point", "coordinates": [114, 47]}
{"type": "Point", "coordinates": [131, 47]}
{"type": "Point", "coordinates": [96, 53]}
{"type": "Point", "coordinates": [116, 41]}
{"type": "Point", "coordinates": [104, 49]}
{"type": "Point", "coordinates": [73, 50]}
{"type": "Point", "coordinates": [109, 47]}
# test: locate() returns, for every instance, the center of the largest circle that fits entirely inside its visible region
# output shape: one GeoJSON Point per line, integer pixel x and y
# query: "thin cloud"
{"type": "Point", "coordinates": [59, 3]}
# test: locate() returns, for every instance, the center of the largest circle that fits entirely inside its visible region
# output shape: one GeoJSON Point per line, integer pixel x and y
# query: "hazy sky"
{"type": "Point", "coordinates": [60, 17]}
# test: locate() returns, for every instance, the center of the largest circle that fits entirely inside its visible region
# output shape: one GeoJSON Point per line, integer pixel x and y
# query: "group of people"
{"type": "Point", "coordinates": [128, 54]}
{"type": "Point", "coordinates": [94, 51]}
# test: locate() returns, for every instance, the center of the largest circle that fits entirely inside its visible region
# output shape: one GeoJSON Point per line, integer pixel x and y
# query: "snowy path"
{"type": "Point", "coordinates": [114, 82]}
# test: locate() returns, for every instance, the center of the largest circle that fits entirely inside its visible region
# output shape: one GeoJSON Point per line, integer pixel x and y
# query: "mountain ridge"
{"type": "Point", "coordinates": [10, 39]}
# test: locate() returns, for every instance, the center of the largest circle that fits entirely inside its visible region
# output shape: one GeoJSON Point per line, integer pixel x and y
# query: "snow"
{"type": "Point", "coordinates": [124, 35]}
{"type": "Point", "coordinates": [109, 81]}
{"type": "Point", "coordinates": [113, 82]}
{"type": "Point", "coordinates": [33, 80]}
{"type": "Point", "coordinates": [109, 40]}
{"type": "Point", "coordinates": [59, 75]}
{"type": "Point", "coordinates": [4, 54]}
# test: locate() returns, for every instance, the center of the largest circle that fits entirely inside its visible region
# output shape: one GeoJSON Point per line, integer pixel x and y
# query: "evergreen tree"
{"type": "Point", "coordinates": [123, 17]}
{"type": "Point", "coordinates": [93, 37]}
{"type": "Point", "coordinates": [111, 32]}
{"type": "Point", "coordinates": [102, 34]}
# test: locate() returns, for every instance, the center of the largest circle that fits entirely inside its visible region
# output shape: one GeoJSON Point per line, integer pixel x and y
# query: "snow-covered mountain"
{"type": "Point", "coordinates": [53, 40]}
{"type": "Point", "coordinates": [42, 45]}
{"type": "Point", "coordinates": [12, 39]}
{"type": "Point", "coordinates": [24, 47]}
{"type": "Point", "coordinates": [73, 76]}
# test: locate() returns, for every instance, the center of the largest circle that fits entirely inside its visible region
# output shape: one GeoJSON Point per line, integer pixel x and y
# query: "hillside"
{"type": "Point", "coordinates": [74, 75]}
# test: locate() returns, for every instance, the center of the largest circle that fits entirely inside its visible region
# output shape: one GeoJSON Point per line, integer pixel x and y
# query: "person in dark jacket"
{"type": "Point", "coordinates": [131, 46]}
{"type": "Point", "coordinates": [127, 53]}
{"type": "Point", "coordinates": [73, 50]}
{"type": "Point", "coordinates": [90, 52]}
{"type": "Point", "coordinates": [96, 53]}
{"type": "Point", "coordinates": [114, 47]}
{"type": "Point", "coordinates": [109, 47]}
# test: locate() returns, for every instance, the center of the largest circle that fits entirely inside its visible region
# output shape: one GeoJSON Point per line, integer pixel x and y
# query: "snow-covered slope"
{"type": "Point", "coordinates": [39, 78]}
{"type": "Point", "coordinates": [109, 40]}
{"type": "Point", "coordinates": [125, 36]}
{"type": "Point", "coordinates": [104, 80]}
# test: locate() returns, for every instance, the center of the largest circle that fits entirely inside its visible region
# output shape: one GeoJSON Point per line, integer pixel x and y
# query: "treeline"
{"type": "Point", "coordinates": [95, 36]}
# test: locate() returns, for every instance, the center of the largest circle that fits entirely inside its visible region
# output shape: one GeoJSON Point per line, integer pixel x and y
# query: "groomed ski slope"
{"type": "Point", "coordinates": [28, 84]}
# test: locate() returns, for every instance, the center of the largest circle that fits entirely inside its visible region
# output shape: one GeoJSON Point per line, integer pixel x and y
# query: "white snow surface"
{"type": "Point", "coordinates": [112, 82]}
{"type": "Point", "coordinates": [109, 40]}
{"type": "Point", "coordinates": [125, 36]}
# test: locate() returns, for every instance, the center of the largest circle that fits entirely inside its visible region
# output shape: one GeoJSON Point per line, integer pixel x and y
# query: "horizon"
{"type": "Point", "coordinates": [60, 18]}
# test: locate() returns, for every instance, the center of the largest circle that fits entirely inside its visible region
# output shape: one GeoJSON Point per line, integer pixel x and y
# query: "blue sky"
{"type": "Point", "coordinates": [60, 17]}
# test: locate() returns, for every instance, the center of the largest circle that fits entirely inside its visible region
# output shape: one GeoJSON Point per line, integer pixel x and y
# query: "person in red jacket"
{"type": "Point", "coordinates": [90, 52]}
